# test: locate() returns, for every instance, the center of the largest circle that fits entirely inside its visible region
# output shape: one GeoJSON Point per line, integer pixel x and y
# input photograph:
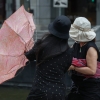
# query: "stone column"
{"type": "Point", "coordinates": [42, 13]}
{"type": "Point", "coordinates": [17, 4]}
{"type": "Point", "coordinates": [8, 8]}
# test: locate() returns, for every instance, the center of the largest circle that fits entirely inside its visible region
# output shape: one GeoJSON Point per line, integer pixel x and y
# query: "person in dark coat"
{"type": "Point", "coordinates": [86, 79]}
{"type": "Point", "coordinates": [53, 58]}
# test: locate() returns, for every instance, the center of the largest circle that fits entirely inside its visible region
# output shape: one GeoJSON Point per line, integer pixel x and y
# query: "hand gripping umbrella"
{"type": "Point", "coordinates": [16, 37]}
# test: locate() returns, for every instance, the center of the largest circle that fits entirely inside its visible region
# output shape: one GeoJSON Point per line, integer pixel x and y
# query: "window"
{"type": "Point", "coordinates": [82, 8]}
{"type": "Point", "coordinates": [2, 11]}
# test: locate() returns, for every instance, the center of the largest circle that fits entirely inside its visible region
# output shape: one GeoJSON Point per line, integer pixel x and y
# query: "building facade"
{"type": "Point", "coordinates": [44, 11]}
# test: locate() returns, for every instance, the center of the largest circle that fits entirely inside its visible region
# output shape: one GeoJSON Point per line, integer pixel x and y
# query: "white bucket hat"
{"type": "Point", "coordinates": [81, 30]}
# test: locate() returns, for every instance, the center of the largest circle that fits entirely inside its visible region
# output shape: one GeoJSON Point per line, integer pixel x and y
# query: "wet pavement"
{"type": "Point", "coordinates": [13, 93]}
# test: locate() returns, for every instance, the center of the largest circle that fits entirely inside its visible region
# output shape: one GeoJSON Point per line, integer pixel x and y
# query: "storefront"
{"type": "Point", "coordinates": [7, 7]}
{"type": "Point", "coordinates": [26, 4]}
{"type": "Point", "coordinates": [84, 8]}
{"type": "Point", "coordinates": [44, 11]}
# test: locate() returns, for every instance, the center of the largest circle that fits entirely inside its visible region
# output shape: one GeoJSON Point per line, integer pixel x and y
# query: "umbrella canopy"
{"type": "Point", "coordinates": [16, 37]}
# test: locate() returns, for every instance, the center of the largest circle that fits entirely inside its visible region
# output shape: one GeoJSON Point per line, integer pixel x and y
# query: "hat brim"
{"type": "Point", "coordinates": [81, 36]}
{"type": "Point", "coordinates": [56, 33]}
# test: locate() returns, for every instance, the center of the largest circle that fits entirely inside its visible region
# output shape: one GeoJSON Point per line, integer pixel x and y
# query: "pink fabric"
{"type": "Point", "coordinates": [16, 37]}
{"type": "Point", "coordinates": [79, 62]}
{"type": "Point", "coordinates": [82, 63]}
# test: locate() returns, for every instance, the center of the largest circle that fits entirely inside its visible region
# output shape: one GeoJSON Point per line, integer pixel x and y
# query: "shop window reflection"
{"type": "Point", "coordinates": [2, 11]}
{"type": "Point", "coordinates": [84, 8]}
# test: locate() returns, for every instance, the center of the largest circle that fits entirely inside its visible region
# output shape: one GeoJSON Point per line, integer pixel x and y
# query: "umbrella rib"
{"type": "Point", "coordinates": [26, 15]}
{"type": "Point", "coordinates": [18, 64]}
{"type": "Point", "coordinates": [27, 19]}
{"type": "Point", "coordinates": [15, 69]}
{"type": "Point", "coordinates": [15, 32]}
{"type": "Point", "coordinates": [17, 35]}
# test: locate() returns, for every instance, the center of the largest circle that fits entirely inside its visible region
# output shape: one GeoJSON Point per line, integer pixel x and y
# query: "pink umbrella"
{"type": "Point", "coordinates": [16, 37]}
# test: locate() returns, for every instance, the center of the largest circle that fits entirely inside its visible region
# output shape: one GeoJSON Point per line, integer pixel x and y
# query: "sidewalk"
{"type": "Point", "coordinates": [13, 93]}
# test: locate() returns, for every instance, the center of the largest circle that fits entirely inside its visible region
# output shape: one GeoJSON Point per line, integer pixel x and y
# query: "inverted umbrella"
{"type": "Point", "coordinates": [16, 37]}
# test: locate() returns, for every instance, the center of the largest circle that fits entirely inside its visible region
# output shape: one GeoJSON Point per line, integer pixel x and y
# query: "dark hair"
{"type": "Point", "coordinates": [94, 40]}
{"type": "Point", "coordinates": [49, 46]}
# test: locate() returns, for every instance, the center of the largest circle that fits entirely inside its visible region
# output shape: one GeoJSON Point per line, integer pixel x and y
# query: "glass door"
{"type": "Point", "coordinates": [26, 4]}
{"type": "Point", "coordinates": [2, 11]}
{"type": "Point", "coordinates": [82, 8]}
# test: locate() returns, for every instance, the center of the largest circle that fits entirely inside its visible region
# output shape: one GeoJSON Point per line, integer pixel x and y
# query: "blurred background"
{"type": "Point", "coordinates": [44, 11]}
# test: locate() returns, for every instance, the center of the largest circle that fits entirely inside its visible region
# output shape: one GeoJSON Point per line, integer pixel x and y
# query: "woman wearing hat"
{"type": "Point", "coordinates": [53, 58]}
{"type": "Point", "coordinates": [86, 80]}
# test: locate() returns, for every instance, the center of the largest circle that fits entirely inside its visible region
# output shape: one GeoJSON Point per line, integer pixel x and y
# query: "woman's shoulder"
{"type": "Point", "coordinates": [91, 44]}
{"type": "Point", "coordinates": [69, 53]}
{"type": "Point", "coordinates": [69, 56]}
{"type": "Point", "coordinates": [70, 50]}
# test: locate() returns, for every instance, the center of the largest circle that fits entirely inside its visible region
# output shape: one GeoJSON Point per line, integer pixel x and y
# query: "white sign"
{"type": "Point", "coordinates": [60, 3]}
